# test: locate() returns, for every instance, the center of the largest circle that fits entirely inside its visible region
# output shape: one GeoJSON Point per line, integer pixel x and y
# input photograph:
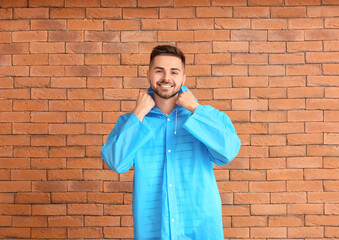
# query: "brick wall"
{"type": "Point", "coordinates": [69, 68]}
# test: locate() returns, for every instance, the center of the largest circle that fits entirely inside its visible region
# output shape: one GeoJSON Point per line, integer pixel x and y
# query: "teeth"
{"type": "Point", "coordinates": [166, 86]}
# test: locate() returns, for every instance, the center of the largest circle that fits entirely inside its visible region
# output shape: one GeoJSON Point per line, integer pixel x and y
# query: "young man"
{"type": "Point", "coordinates": [173, 143]}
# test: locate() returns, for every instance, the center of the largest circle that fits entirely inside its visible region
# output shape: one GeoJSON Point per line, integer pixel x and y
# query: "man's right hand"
{"type": "Point", "coordinates": [144, 104]}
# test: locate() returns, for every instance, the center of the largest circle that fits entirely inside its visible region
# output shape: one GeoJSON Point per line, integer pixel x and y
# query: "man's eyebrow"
{"type": "Point", "coordinates": [161, 68]}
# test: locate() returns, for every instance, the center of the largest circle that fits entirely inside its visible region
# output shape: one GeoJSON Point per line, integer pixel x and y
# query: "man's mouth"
{"type": "Point", "coordinates": [164, 85]}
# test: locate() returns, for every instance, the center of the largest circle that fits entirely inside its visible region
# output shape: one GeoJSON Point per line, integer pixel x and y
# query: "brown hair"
{"type": "Point", "coordinates": [167, 50]}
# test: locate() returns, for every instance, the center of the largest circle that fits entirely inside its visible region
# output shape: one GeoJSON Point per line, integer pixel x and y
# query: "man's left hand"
{"type": "Point", "coordinates": [187, 100]}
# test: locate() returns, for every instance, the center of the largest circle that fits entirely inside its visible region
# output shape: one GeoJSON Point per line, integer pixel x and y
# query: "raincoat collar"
{"type": "Point", "coordinates": [176, 110]}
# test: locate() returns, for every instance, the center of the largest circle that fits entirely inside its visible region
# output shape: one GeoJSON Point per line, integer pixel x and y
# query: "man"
{"type": "Point", "coordinates": [173, 143]}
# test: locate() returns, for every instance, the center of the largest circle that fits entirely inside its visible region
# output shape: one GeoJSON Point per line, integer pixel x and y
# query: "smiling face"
{"type": "Point", "coordinates": [166, 75]}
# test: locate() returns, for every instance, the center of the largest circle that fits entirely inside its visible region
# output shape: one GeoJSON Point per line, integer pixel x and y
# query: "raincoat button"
{"type": "Point", "coordinates": [168, 119]}
{"type": "Point", "coordinates": [169, 150]}
{"type": "Point", "coordinates": [170, 185]}
{"type": "Point", "coordinates": [172, 220]}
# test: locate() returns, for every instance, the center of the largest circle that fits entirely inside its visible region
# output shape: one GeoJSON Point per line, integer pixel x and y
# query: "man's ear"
{"type": "Point", "coordinates": [148, 79]}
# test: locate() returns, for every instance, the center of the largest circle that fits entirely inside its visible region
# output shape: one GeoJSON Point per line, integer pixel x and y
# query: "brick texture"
{"type": "Point", "coordinates": [70, 68]}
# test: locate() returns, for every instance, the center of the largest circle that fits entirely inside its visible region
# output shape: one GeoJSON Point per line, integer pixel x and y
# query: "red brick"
{"type": "Point", "coordinates": [113, 3]}
{"type": "Point", "coordinates": [211, 35]}
{"type": "Point", "coordinates": [230, 23]}
{"type": "Point", "coordinates": [30, 151]}
{"type": "Point", "coordinates": [286, 221]}
{"type": "Point", "coordinates": [330, 104]}
{"type": "Point", "coordinates": [82, 3]}
{"type": "Point", "coordinates": [15, 232]}
{"type": "Point", "coordinates": [84, 232]}
{"type": "Point", "coordinates": [91, 186]}
{"type": "Point", "coordinates": [32, 198]}
{"type": "Point", "coordinates": [204, 12]}
{"type": "Point", "coordinates": [304, 162]}
{"type": "Point", "coordinates": [251, 12]}
{"type": "Point", "coordinates": [183, 12]}
{"type": "Point", "coordinates": [230, 47]}
{"type": "Point", "coordinates": [331, 208]}
{"type": "Point", "coordinates": [238, 58]}
{"type": "Point", "coordinates": [111, 198]}
{"type": "Point", "coordinates": [85, 25]}
{"type": "Point", "coordinates": [268, 209]}
{"type": "Point", "coordinates": [67, 36]}
{"type": "Point", "coordinates": [65, 221]}
{"type": "Point", "coordinates": [85, 94]}
{"type": "Point", "coordinates": [29, 36]}
{"type": "Point", "coordinates": [231, 93]}
{"type": "Point", "coordinates": [267, 163]}
{"type": "Point", "coordinates": [5, 221]}
{"type": "Point", "coordinates": [46, 3]}
{"type": "Point", "coordinates": [268, 93]}
{"type": "Point", "coordinates": [266, 187]}
{"type": "Point", "coordinates": [68, 82]}
{"type": "Point", "coordinates": [331, 46]}
{"type": "Point", "coordinates": [269, 24]}
{"type": "Point", "coordinates": [69, 197]}
{"type": "Point", "coordinates": [288, 12]}
{"type": "Point", "coordinates": [121, 232]}
{"type": "Point", "coordinates": [6, 13]}
{"type": "Point", "coordinates": [48, 163]}
{"type": "Point", "coordinates": [85, 209]}
{"type": "Point", "coordinates": [15, 209]}
{"type": "Point", "coordinates": [175, 36]}
{"type": "Point", "coordinates": [323, 197]}
{"type": "Point", "coordinates": [322, 34]}
{"type": "Point", "coordinates": [308, 115]}
{"type": "Point", "coordinates": [15, 186]}
{"type": "Point", "coordinates": [14, 48]}
{"type": "Point", "coordinates": [305, 23]}
{"type": "Point", "coordinates": [121, 25]}
{"type": "Point", "coordinates": [5, 37]}
{"type": "Point", "coordinates": [288, 197]}
{"type": "Point", "coordinates": [304, 46]}
{"type": "Point", "coordinates": [102, 221]}
{"type": "Point", "coordinates": [304, 232]}
{"type": "Point", "coordinates": [30, 128]}
{"type": "Point", "coordinates": [49, 233]}
{"type": "Point", "coordinates": [67, 13]}
{"type": "Point", "coordinates": [296, 139]}
{"type": "Point", "coordinates": [305, 209]}
{"type": "Point", "coordinates": [29, 221]}
{"type": "Point", "coordinates": [227, 70]}
{"type": "Point", "coordinates": [14, 25]}
{"type": "Point", "coordinates": [130, 13]}
{"type": "Point", "coordinates": [268, 140]}
{"type": "Point", "coordinates": [267, 47]}
{"type": "Point", "coordinates": [252, 221]}
{"type": "Point", "coordinates": [13, 116]}
{"type": "Point", "coordinates": [47, 71]}
{"type": "Point", "coordinates": [248, 35]}
{"type": "Point", "coordinates": [48, 24]}
{"type": "Point", "coordinates": [28, 175]}
{"type": "Point", "coordinates": [278, 128]}
{"type": "Point", "coordinates": [31, 13]}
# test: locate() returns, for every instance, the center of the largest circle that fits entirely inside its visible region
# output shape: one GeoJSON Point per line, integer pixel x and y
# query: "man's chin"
{"type": "Point", "coordinates": [166, 95]}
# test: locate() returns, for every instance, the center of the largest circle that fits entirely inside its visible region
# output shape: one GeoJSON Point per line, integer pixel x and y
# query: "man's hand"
{"type": "Point", "coordinates": [144, 104]}
{"type": "Point", "coordinates": [187, 100]}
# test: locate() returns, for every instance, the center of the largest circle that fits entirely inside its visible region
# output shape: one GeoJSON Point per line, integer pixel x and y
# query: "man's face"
{"type": "Point", "coordinates": [166, 76]}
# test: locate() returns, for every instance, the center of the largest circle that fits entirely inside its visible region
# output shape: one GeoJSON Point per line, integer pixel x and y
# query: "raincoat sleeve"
{"type": "Point", "coordinates": [215, 130]}
{"type": "Point", "coordinates": [128, 135]}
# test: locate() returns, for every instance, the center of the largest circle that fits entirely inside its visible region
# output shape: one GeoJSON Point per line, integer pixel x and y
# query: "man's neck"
{"type": "Point", "coordinates": [165, 105]}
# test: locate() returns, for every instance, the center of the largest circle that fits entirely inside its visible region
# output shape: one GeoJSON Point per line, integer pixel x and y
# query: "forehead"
{"type": "Point", "coordinates": [167, 62]}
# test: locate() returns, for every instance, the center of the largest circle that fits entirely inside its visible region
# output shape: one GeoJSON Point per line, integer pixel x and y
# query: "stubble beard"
{"type": "Point", "coordinates": [156, 91]}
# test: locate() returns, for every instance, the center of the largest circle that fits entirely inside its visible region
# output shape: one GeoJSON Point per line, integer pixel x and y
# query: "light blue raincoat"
{"type": "Point", "coordinates": [175, 194]}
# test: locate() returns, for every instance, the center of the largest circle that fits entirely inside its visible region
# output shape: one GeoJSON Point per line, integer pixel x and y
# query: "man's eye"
{"type": "Point", "coordinates": [158, 71]}
{"type": "Point", "coordinates": [174, 73]}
